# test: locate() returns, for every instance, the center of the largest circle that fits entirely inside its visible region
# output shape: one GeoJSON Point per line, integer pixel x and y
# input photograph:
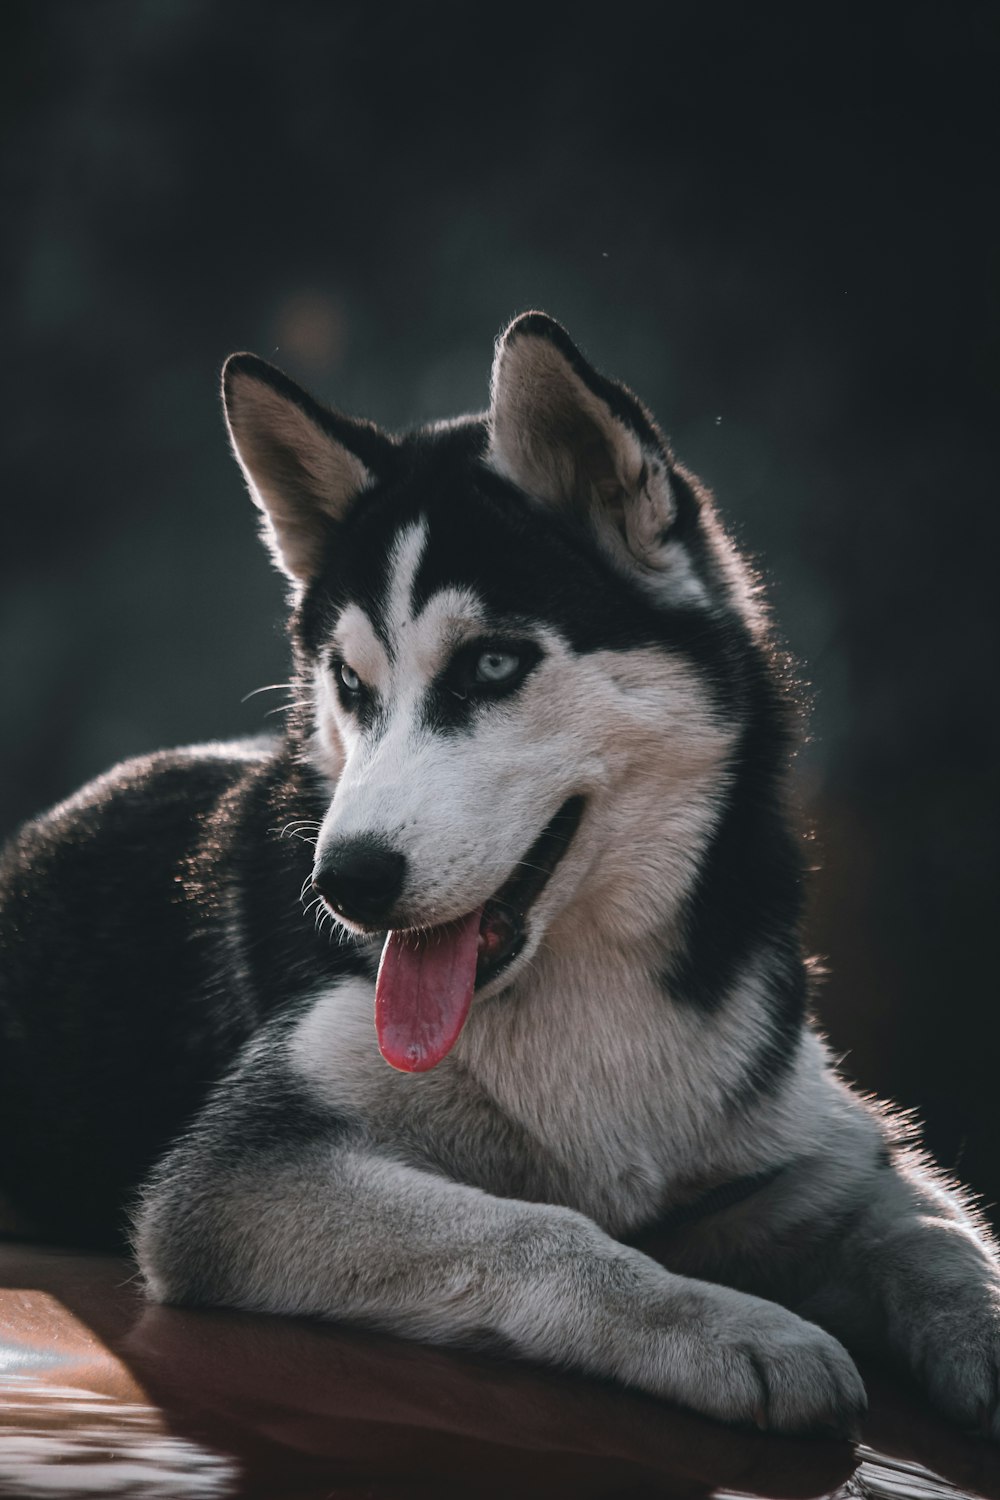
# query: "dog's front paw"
{"type": "Point", "coordinates": [957, 1358]}
{"type": "Point", "coordinates": [751, 1361]}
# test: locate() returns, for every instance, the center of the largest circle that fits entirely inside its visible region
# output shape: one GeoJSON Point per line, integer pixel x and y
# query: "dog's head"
{"type": "Point", "coordinates": [520, 634]}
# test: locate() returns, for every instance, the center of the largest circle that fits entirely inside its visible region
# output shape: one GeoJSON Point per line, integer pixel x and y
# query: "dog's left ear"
{"type": "Point", "coordinates": [566, 435]}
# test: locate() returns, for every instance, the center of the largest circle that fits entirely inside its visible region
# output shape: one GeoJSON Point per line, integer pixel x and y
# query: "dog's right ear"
{"type": "Point", "coordinates": [303, 463]}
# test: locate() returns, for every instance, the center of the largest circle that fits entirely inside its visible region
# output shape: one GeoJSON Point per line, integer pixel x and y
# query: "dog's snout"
{"type": "Point", "coordinates": [361, 878]}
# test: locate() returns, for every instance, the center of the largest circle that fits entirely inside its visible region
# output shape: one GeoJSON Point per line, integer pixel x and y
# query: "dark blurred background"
{"type": "Point", "coordinates": [776, 223]}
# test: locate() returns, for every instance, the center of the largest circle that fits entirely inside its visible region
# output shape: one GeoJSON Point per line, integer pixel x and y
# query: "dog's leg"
{"type": "Point", "coordinates": [918, 1277]}
{"type": "Point", "coordinates": [253, 1214]}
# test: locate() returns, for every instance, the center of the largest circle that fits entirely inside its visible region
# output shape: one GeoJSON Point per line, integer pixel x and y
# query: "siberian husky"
{"type": "Point", "coordinates": [432, 1013]}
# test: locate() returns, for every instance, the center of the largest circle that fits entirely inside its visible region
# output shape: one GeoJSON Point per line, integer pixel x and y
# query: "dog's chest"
{"type": "Point", "coordinates": [599, 1073]}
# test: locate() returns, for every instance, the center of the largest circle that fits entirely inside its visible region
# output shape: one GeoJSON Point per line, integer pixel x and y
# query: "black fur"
{"type": "Point", "coordinates": [121, 998]}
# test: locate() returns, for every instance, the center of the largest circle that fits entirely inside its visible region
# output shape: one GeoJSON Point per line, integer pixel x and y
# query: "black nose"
{"type": "Point", "coordinates": [361, 879]}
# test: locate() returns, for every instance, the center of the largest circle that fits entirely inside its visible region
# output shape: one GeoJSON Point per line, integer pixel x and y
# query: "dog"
{"type": "Point", "coordinates": [435, 1013]}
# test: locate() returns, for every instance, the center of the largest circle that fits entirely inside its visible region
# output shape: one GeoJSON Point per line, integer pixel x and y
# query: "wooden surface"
{"type": "Point", "coordinates": [103, 1394]}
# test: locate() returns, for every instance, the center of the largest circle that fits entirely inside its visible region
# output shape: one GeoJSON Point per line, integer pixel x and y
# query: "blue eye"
{"type": "Point", "coordinates": [497, 666]}
{"type": "Point", "coordinates": [349, 678]}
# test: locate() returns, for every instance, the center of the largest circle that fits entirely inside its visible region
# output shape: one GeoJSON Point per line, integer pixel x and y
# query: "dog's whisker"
{"type": "Point", "coordinates": [294, 828]}
{"type": "Point", "coordinates": [271, 687]}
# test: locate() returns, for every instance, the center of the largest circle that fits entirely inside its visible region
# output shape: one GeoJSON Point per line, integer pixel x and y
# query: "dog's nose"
{"type": "Point", "coordinates": [361, 879]}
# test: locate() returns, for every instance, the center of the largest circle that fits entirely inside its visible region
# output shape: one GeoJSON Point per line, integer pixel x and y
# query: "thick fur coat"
{"type": "Point", "coordinates": [537, 759]}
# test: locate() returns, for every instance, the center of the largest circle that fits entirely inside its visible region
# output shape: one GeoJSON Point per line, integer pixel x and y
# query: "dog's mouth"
{"type": "Point", "coordinates": [427, 976]}
{"type": "Point", "coordinates": [502, 925]}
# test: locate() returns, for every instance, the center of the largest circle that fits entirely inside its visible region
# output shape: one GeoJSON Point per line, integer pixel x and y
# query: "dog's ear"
{"type": "Point", "coordinates": [566, 435]}
{"type": "Point", "coordinates": [303, 463]}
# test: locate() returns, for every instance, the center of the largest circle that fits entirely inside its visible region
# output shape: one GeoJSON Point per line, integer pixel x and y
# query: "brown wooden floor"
{"type": "Point", "coordinates": [102, 1394]}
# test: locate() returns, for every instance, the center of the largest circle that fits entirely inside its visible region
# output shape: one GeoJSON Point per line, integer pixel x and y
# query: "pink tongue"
{"type": "Point", "coordinates": [423, 992]}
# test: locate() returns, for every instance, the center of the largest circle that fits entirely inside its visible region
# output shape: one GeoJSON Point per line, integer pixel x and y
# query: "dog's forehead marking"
{"type": "Point", "coordinates": [404, 560]}
{"type": "Point", "coordinates": [404, 645]}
